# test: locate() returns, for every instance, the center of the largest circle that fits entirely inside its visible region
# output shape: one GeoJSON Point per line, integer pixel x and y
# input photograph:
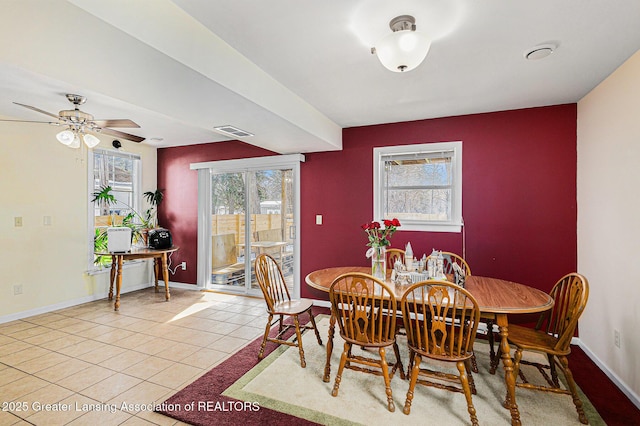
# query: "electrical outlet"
{"type": "Point", "coordinates": [616, 338]}
{"type": "Point", "coordinates": [17, 289]}
{"type": "Point", "coordinates": [184, 266]}
{"type": "Point", "coordinates": [17, 221]}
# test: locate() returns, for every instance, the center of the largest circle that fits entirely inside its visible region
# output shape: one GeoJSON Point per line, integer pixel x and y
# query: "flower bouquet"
{"type": "Point", "coordinates": [378, 242]}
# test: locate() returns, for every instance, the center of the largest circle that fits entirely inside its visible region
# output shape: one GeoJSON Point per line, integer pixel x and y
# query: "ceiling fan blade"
{"type": "Point", "coordinates": [122, 135]}
{"type": "Point", "coordinates": [115, 123]}
{"type": "Point", "coordinates": [55, 123]}
{"type": "Point", "coordinates": [38, 110]}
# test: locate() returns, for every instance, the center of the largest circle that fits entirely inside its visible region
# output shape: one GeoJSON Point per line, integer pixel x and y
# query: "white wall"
{"type": "Point", "coordinates": [609, 221]}
{"type": "Point", "coordinates": [40, 177]}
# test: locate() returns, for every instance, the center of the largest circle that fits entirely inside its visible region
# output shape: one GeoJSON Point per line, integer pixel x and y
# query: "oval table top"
{"type": "Point", "coordinates": [492, 294]}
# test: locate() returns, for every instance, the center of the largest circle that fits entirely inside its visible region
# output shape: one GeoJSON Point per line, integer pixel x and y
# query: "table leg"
{"type": "Point", "coordinates": [116, 305]}
{"type": "Point", "coordinates": [510, 379]}
{"type": "Point", "coordinates": [165, 275]}
{"type": "Point", "coordinates": [327, 366]}
{"type": "Point", "coordinates": [114, 265]}
{"type": "Point", "coordinates": [156, 270]}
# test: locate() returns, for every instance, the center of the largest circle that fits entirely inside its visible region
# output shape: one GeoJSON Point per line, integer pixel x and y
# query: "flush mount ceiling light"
{"type": "Point", "coordinates": [540, 51]}
{"type": "Point", "coordinates": [405, 48]}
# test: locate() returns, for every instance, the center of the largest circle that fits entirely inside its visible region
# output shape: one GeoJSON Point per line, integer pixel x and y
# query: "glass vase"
{"type": "Point", "coordinates": [379, 263]}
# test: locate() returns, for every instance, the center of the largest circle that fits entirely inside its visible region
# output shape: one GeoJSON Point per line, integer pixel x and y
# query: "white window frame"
{"type": "Point", "coordinates": [205, 170]}
{"type": "Point", "coordinates": [137, 201]}
{"type": "Point", "coordinates": [379, 155]}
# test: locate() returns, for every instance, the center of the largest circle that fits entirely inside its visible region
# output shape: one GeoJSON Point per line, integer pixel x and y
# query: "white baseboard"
{"type": "Point", "coordinates": [610, 374]}
{"type": "Point", "coordinates": [86, 299]}
{"type": "Point", "coordinates": [322, 303]}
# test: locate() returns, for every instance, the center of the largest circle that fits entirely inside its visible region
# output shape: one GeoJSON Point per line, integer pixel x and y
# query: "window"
{"type": "Point", "coordinates": [419, 184]}
{"type": "Point", "coordinates": [122, 172]}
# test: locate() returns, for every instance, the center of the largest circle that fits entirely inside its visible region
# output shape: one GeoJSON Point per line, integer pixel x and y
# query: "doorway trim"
{"type": "Point", "coordinates": [206, 169]}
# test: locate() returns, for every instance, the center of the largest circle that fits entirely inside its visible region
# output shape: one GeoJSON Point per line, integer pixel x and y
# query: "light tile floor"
{"type": "Point", "coordinates": [73, 366]}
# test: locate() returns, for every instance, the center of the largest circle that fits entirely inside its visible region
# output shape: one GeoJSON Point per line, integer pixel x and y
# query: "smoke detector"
{"type": "Point", "coordinates": [540, 51]}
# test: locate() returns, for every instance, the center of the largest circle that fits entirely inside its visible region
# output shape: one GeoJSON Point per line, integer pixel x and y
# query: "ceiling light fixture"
{"type": "Point", "coordinates": [405, 48]}
{"type": "Point", "coordinates": [65, 137]}
{"type": "Point", "coordinates": [72, 136]}
{"type": "Point", "coordinates": [90, 140]}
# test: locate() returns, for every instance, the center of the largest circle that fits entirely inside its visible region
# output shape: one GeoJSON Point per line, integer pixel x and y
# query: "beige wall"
{"type": "Point", "coordinates": [40, 177]}
{"type": "Point", "coordinates": [608, 221]}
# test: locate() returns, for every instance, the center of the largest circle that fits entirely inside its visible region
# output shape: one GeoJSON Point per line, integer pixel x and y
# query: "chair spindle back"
{"type": "Point", "coordinates": [440, 318]}
{"type": "Point", "coordinates": [365, 309]}
{"type": "Point", "coordinates": [570, 295]}
{"type": "Point", "coordinates": [451, 258]}
{"type": "Point", "coordinates": [271, 280]}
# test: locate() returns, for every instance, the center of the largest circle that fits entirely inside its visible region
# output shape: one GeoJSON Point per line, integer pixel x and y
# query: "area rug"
{"type": "Point", "coordinates": [278, 391]}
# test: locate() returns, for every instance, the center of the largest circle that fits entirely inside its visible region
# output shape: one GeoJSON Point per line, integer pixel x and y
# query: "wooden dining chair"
{"type": "Point", "coordinates": [441, 320]}
{"type": "Point", "coordinates": [449, 260]}
{"type": "Point", "coordinates": [394, 254]}
{"type": "Point", "coordinates": [279, 303]}
{"type": "Point", "coordinates": [552, 336]}
{"type": "Point", "coordinates": [365, 310]}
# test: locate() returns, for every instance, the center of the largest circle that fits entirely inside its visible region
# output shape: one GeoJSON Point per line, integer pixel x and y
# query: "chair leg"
{"type": "Point", "coordinates": [472, 383]}
{"type": "Point", "coordinates": [414, 371]}
{"type": "Point", "coordinates": [574, 391]}
{"type": "Point", "coordinates": [474, 363]}
{"type": "Point", "coordinates": [315, 328]}
{"type": "Point", "coordinates": [398, 364]}
{"type": "Point", "coordinates": [495, 361]}
{"type": "Point", "coordinates": [516, 371]}
{"type": "Point", "coordinates": [280, 325]}
{"type": "Point", "coordinates": [387, 380]}
{"type": "Point", "coordinates": [264, 339]}
{"type": "Point", "coordinates": [554, 371]}
{"type": "Point", "coordinates": [490, 338]}
{"type": "Point", "coordinates": [343, 361]}
{"type": "Point", "coordinates": [464, 380]}
{"type": "Point", "coordinates": [517, 357]}
{"type": "Point", "coordinates": [296, 322]}
{"type": "Point", "coordinates": [412, 356]}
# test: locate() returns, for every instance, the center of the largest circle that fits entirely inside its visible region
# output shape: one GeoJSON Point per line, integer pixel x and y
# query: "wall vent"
{"type": "Point", "coordinates": [233, 131]}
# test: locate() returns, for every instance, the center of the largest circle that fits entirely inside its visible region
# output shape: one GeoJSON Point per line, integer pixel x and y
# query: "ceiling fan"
{"type": "Point", "coordinates": [80, 124]}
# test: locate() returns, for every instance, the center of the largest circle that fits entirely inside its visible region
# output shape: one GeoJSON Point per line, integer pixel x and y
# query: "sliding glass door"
{"type": "Point", "coordinates": [252, 211]}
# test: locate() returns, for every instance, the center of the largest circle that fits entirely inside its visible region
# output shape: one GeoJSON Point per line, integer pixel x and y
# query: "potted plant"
{"type": "Point", "coordinates": [139, 223]}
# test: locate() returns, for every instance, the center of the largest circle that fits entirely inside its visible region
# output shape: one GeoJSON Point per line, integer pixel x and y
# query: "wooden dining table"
{"type": "Point", "coordinates": [496, 300]}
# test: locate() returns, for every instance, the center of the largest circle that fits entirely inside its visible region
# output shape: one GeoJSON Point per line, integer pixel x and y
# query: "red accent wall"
{"type": "Point", "coordinates": [179, 210]}
{"type": "Point", "coordinates": [519, 194]}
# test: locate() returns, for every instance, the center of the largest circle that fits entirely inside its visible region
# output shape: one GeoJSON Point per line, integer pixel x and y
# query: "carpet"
{"type": "Point", "coordinates": [278, 391]}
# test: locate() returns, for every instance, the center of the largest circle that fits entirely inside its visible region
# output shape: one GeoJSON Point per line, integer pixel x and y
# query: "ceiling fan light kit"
{"type": "Point", "coordinates": [65, 137]}
{"type": "Point", "coordinates": [405, 48]}
{"type": "Point", "coordinates": [80, 125]}
{"type": "Point", "coordinates": [90, 140]}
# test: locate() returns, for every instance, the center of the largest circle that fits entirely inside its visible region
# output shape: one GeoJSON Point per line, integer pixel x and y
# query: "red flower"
{"type": "Point", "coordinates": [378, 236]}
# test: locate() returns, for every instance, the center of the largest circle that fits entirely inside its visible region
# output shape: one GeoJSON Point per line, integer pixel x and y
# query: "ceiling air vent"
{"type": "Point", "coordinates": [233, 131]}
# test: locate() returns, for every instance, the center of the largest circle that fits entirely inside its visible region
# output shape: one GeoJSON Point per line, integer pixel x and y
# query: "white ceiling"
{"type": "Point", "coordinates": [295, 72]}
